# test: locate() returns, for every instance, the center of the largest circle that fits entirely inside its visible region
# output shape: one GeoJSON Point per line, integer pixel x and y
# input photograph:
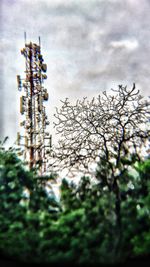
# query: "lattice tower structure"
{"type": "Point", "coordinates": [36, 141]}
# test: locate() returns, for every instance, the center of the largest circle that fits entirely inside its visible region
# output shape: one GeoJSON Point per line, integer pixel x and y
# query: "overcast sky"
{"type": "Point", "coordinates": [88, 45]}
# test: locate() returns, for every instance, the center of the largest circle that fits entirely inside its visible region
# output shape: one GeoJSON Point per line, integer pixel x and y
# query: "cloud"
{"type": "Point", "coordinates": [125, 44]}
{"type": "Point", "coordinates": [88, 46]}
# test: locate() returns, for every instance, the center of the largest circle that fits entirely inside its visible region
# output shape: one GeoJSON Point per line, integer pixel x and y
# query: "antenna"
{"type": "Point", "coordinates": [25, 37]}
{"type": "Point", "coordinates": [39, 41]}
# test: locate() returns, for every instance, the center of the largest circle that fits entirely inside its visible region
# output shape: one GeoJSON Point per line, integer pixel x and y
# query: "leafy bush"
{"type": "Point", "coordinates": [24, 208]}
{"type": "Point", "coordinates": [81, 228]}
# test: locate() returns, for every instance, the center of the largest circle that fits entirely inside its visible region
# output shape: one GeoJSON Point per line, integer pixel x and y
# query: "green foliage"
{"type": "Point", "coordinates": [82, 228]}
{"type": "Point", "coordinates": [24, 208]}
{"type": "Point", "coordinates": [141, 241]}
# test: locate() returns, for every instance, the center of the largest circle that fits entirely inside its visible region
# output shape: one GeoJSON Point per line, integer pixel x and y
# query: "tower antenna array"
{"type": "Point", "coordinates": [36, 141]}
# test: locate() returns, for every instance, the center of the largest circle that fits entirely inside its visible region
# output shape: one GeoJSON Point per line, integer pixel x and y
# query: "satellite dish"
{"type": "Point", "coordinates": [44, 67]}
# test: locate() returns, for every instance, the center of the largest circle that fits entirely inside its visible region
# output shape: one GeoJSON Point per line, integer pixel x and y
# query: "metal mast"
{"type": "Point", "coordinates": [36, 140]}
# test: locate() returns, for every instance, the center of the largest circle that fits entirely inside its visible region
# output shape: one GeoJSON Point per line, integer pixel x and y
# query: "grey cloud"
{"type": "Point", "coordinates": [88, 45]}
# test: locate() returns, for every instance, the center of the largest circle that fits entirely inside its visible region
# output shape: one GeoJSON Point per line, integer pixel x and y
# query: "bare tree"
{"type": "Point", "coordinates": [111, 130]}
{"type": "Point", "coordinates": [107, 126]}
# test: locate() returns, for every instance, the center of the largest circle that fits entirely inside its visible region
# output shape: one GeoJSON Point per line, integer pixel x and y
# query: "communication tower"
{"type": "Point", "coordinates": [35, 140]}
